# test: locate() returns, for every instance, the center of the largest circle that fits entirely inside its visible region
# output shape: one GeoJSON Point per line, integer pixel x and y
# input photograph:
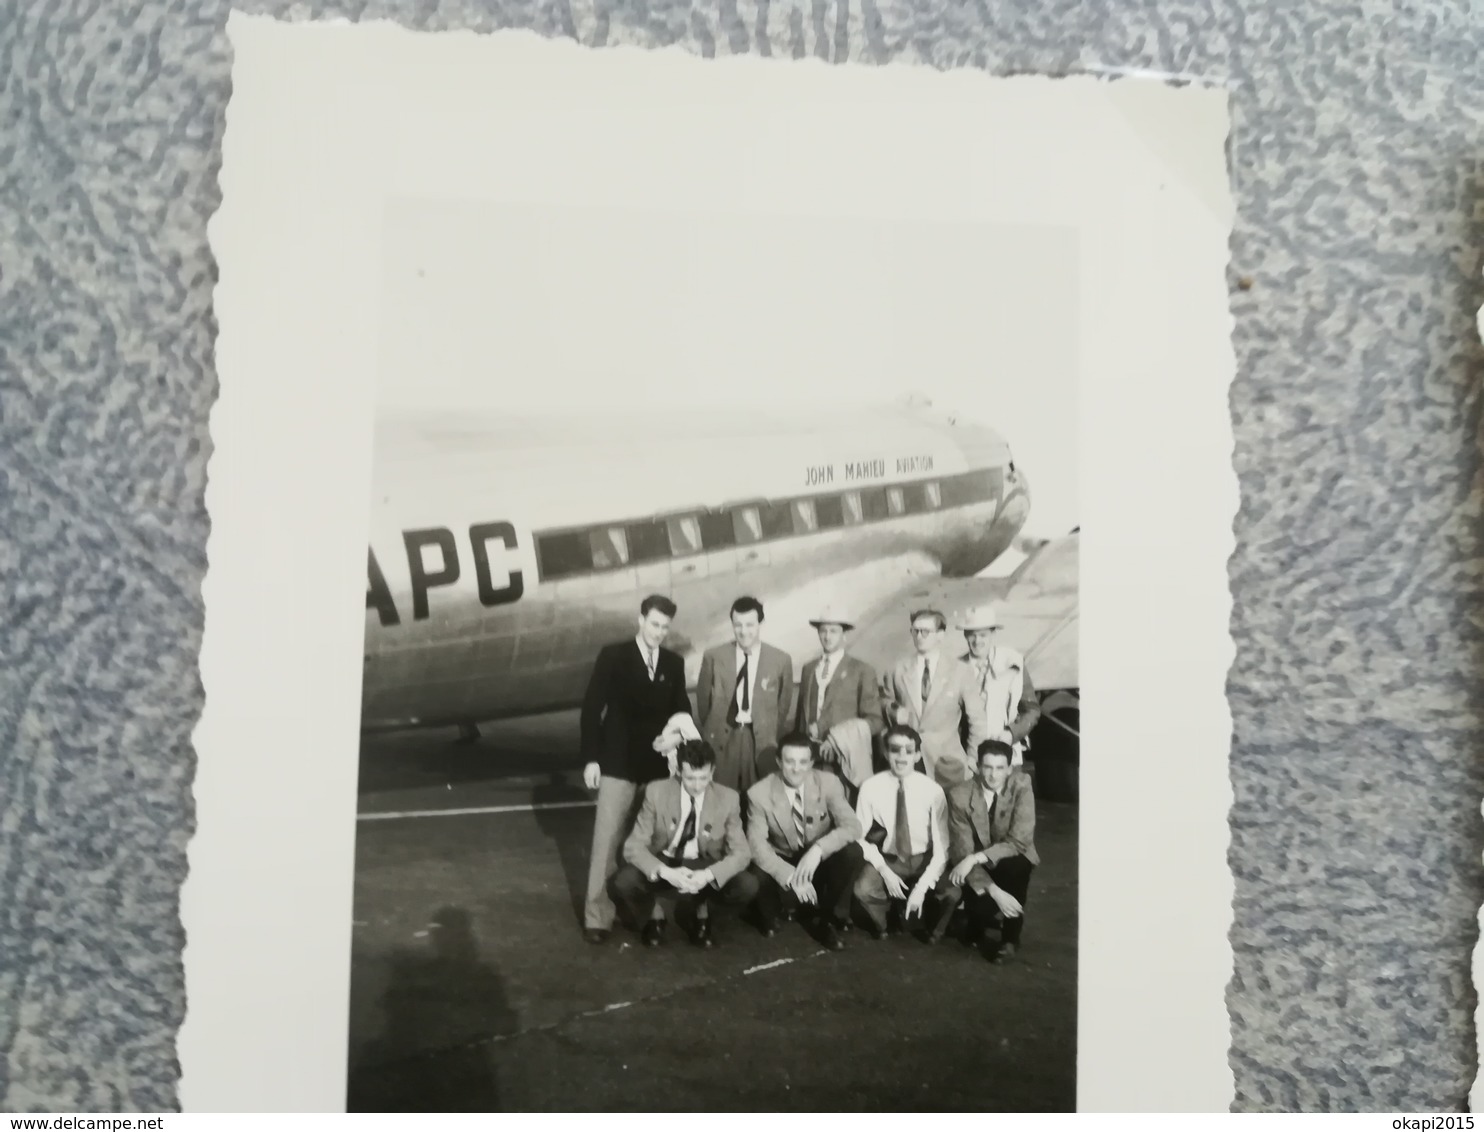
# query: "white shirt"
{"type": "Point", "coordinates": [650, 657]}
{"type": "Point", "coordinates": [751, 658]}
{"type": "Point", "coordinates": [927, 820]}
{"type": "Point", "coordinates": [691, 848]}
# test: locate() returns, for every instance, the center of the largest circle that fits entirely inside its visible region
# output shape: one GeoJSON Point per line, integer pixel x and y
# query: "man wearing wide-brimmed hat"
{"type": "Point", "coordinates": [1000, 673]}
{"type": "Point", "coordinates": [840, 701]}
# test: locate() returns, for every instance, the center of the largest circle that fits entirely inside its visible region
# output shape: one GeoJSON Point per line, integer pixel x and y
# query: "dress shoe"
{"type": "Point", "coordinates": [1005, 954]}
{"type": "Point", "coordinates": [595, 935]}
{"type": "Point", "coordinates": [829, 937]}
{"type": "Point", "coordinates": [701, 934]}
{"type": "Point", "coordinates": [654, 933]}
{"type": "Point", "coordinates": [877, 933]}
{"type": "Point", "coordinates": [769, 928]}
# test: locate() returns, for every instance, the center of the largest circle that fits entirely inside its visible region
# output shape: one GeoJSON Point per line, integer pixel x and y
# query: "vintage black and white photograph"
{"type": "Point", "coordinates": [663, 512]}
{"type": "Point", "coordinates": [720, 702]}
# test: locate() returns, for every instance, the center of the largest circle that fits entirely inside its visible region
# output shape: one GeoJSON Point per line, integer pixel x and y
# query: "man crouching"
{"type": "Point", "coordinates": [803, 835]}
{"type": "Point", "coordinates": [991, 833]}
{"type": "Point", "coordinates": [687, 844]}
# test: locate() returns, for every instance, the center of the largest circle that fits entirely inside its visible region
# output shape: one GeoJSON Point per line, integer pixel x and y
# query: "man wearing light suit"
{"type": "Point", "coordinates": [744, 695]}
{"type": "Point", "coordinates": [1010, 706]}
{"type": "Point", "coordinates": [938, 696]}
{"type": "Point", "coordinates": [840, 703]}
{"type": "Point", "coordinates": [804, 840]}
{"type": "Point", "coordinates": [687, 843]}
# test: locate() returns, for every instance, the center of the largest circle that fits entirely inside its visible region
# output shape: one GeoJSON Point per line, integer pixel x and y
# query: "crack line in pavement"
{"type": "Point", "coordinates": [545, 1027]}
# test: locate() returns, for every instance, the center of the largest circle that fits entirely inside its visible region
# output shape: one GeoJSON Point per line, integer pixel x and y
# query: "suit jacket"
{"type": "Point", "coordinates": [720, 841]}
{"type": "Point", "coordinates": [772, 695]}
{"type": "Point", "coordinates": [853, 692]}
{"type": "Point", "coordinates": [1012, 831]}
{"type": "Point", "coordinates": [829, 821]}
{"type": "Point", "coordinates": [1027, 712]}
{"type": "Point", "coordinates": [624, 711]}
{"type": "Point", "coordinates": [953, 698]}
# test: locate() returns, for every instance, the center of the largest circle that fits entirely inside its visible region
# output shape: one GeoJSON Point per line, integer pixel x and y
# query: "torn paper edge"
{"type": "Point", "coordinates": [266, 907]}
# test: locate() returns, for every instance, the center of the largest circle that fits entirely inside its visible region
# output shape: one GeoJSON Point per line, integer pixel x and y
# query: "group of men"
{"type": "Point", "coordinates": [760, 798]}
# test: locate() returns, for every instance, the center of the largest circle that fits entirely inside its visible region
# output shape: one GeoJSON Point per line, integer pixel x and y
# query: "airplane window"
{"type": "Point", "coordinates": [610, 547]}
{"type": "Point", "coordinates": [685, 536]}
{"type": "Point", "coordinates": [647, 541]}
{"type": "Point", "coordinates": [804, 517]}
{"type": "Point", "coordinates": [831, 512]}
{"type": "Point", "coordinates": [747, 524]}
{"type": "Point", "coordinates": [933, 494]}
{"type": "Point", "coordinates": [874, 503]}
{"type": "Point", "coordinates": [717, 530]}
{"type": "Point", "coordinates": [895, 504]}
{"type": "Point", "coordinates": [977, 487]}
{"type": "Point", "coordinates": [563, 555]}
{"type": "Point", "coordinates": [778, 520]}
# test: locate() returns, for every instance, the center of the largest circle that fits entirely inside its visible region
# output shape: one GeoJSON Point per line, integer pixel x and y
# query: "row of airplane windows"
{"type": "Point", "coordinates": [610, 546]}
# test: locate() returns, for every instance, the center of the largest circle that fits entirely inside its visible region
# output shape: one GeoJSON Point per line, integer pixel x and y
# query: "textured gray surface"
{"type": "Point", "coordinates": [1356, 832]}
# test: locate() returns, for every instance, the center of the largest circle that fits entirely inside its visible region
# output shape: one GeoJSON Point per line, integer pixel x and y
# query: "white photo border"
{"type": "Point", "coordinates": [328, 121]}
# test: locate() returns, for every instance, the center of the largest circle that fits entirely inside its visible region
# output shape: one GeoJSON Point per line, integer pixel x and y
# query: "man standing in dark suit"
{"type": "Point", "coordinates": [991, 839]}
{"type": "Point", "coordinates": [744, 696]}
{"type": "Point", "coordinates": [803, 835]}
{"type": "Point", "coordinates": [688, 844]}
{"type": "Point", "coordinates": [636, 686]}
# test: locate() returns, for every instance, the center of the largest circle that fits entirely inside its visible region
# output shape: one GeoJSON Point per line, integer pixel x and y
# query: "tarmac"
{"type": "Point", "coordinates": [473, 991]}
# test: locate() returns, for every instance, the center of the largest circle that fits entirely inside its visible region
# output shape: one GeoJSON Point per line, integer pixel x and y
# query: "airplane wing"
{"type": "Point", "coordinates": [1038, 600]}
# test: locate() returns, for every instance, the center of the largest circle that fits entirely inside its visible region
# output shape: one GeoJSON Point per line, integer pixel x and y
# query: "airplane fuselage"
{"type": "Point", "coordinates": [499, 565]}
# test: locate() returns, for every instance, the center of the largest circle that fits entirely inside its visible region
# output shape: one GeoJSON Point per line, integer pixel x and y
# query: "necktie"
{"type": "Point", "coordinates": [993, 802]}
{"type": "Point", "coordinates": [798, 807]}
{"type": "Point", "coordinates": [649, 659]}
{"type": "Point", "coordinates": [927, 681]}
{"type": "Point", "coordinates": [742, 682]}
{"type": "Point", "coordinates": [902, 846]}
{"type": "Point", "coordinates": [687, 831]}
{"type": "Point", "coordinates": [819, 685]}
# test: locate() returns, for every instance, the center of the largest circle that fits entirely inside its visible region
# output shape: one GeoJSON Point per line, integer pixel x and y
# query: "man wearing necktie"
{"type": "Point", "coordinates": [1010, 706]}
{"type": "Point", "coordinates": [744, 695]}
{"type": "Point", "coordinates": [804, 841]}
{"type": "Point", "coordinates": [903, 813]}
{"type": "Point", "coordinates": [839, 704]}
{"type": "Point", "coordinates": [635, 689]}
{"type": "Point", "coordinates": [936, 694]}
{"type": "Point", "coordinates": [687, 845]}
{"type": "Point", "coordinates": [991, 834]}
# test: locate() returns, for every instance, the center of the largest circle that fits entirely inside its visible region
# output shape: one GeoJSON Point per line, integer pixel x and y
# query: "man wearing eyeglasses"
{"type": "Point", "coordinates": [936, 694]}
